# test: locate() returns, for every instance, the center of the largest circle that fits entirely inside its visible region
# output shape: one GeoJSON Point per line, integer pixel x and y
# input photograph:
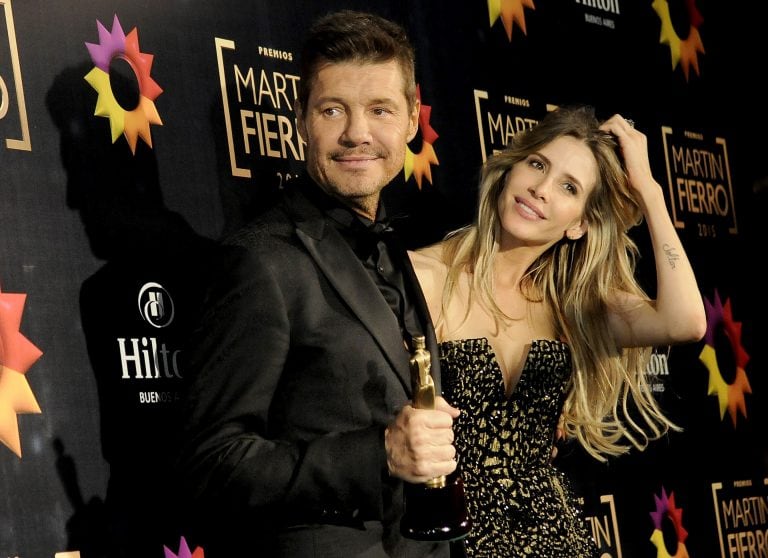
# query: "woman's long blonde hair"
{"type": "Point", "coordinates": [608, 398]}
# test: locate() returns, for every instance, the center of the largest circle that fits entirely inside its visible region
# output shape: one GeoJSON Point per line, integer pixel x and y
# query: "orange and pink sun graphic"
{"type": "Point", "coordinates": [420, 164]}
{"type": "Point", "coordinates": [17, 355]}
{"type": "Point", "coordinates": [510, 12]}
{"type": "Point", "coordinates": [665, 508]}
{"type": "Point", "coordinates": [184, 551]}
{"type": "Point", "coordinates": [682, 51]}
{"type": "Point", "coordinates": [729, 396]}
{"type": "Point", "coordinates": [132, 123]}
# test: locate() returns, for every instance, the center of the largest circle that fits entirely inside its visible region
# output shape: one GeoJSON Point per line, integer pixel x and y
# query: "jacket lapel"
{"type": "Point", "coordinates": [342, 268]}
{"type": "Point", "coordinates": [422, 311]}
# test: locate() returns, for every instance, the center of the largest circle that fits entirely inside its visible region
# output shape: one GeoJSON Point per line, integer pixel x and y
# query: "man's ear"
{"type": "Point", "coordinates": [413, 120]}
{"type": "Point", "coordinates": [578, 230]}
{"type": "Point", "coordinates": [300, 120]}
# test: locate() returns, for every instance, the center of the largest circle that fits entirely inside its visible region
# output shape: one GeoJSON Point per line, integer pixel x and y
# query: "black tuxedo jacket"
{"type": "Point", "coordinates": [297, 368]}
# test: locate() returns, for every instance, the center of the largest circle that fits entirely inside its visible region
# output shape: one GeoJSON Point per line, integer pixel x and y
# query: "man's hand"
{"type": "Point", "coordinates": [419, 442]}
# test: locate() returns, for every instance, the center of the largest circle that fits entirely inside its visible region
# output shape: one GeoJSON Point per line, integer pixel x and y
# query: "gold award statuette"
{"type": "Point", "coordinates": [435, 510]}
{"type": "Point", "coordinates": [423, 388]}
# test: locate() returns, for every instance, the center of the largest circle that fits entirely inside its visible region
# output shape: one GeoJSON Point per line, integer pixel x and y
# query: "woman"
{"type": "Point", "coordinates": [540, 319]}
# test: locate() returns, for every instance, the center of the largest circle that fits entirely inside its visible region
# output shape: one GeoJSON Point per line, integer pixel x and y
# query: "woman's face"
{"type": "Point", "coordinates": [544, 195]}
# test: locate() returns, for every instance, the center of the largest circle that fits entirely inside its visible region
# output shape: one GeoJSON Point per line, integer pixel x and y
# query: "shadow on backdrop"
{"type": "Point", "coordinates": [87, 527]}
{"type": "Point", "coordinates": [136, 312]}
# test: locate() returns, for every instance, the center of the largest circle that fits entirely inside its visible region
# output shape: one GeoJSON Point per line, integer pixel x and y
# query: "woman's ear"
{"type": "Point", "coordinates": [578, 230]}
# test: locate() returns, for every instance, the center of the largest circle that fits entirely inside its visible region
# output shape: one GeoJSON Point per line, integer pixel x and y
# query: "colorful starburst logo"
{"type": "Point", "coordinates": [511, 11]}
{"type": "Point", "coordinates": [665, 508]}
{"type": "Point", "coordinates": [730, 396]}
{"type": "Point", "coordinates": [132, 123]}
{"type": "Point", "coordinates": [681, 51]}
{"type": "Point", "coordinates": [184, 551]}
{"type": "Point", "coordinates": [17, 354]}
{"type": "Point", "coordinates": [419, 164]}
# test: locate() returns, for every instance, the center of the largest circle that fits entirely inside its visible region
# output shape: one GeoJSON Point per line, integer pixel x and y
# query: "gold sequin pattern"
{"type": "Point", "coordinates": [520, 504]}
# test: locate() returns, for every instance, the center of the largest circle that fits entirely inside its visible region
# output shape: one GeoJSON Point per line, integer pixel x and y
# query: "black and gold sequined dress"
{"type": "Point", "coordinates": [520, 504]}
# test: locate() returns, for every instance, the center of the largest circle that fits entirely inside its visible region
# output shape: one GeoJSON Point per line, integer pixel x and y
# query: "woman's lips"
{"type": "Point", "coordinates": [528, 210]}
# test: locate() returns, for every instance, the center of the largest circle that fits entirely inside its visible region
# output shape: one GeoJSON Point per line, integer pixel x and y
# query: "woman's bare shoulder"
{"type": "Point", "coordinates": [428, 258]}
{"type": "Point", "coordinates": [431, 271]}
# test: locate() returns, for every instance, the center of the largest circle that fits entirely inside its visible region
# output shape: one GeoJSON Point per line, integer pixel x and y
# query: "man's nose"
{"type": "Point", "coordinates": [358, 130]}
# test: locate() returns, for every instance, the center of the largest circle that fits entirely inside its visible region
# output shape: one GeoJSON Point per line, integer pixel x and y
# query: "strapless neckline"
{"type": "Point", "coordinates": [483, 344]}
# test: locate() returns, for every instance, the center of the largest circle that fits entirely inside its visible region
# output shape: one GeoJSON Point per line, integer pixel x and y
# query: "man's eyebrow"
{"type": "Point", "coordinates": [383, 101]}
{"type": "Point", "coordinates": [330, 99]}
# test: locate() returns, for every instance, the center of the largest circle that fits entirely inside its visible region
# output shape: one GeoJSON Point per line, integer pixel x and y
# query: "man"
{"type": "Point", "coordinates": [302, 361]}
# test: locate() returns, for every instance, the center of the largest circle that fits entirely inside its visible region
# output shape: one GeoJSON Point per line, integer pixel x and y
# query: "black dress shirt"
{"type": "Point", "coordinates": [376, 245]}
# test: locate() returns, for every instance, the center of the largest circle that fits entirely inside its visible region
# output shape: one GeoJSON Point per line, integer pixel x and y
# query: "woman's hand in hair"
{"type": "Point", "coordinates": [634, 149]}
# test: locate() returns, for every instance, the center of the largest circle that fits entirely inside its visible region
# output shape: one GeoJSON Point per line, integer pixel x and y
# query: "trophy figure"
{"type": "Point", "coordinates": [434, 510]}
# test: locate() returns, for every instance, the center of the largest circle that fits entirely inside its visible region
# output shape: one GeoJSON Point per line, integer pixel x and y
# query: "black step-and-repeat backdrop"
{"type": "Point", "coordinates": [133, 134]}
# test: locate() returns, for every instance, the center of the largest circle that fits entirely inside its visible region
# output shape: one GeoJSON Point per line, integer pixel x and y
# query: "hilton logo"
{"type": "Point", "coordinates": [150, 357]}
{"type": "Point", "coordinates": [155, 305]}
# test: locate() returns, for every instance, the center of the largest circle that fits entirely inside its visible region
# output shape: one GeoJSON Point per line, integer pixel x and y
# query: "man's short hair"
{"type": "Point", "coordinates": [352, 36]}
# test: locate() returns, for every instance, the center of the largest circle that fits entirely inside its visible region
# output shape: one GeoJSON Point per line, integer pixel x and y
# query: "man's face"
{"type": "Point", "coordinates": [356, 126]}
